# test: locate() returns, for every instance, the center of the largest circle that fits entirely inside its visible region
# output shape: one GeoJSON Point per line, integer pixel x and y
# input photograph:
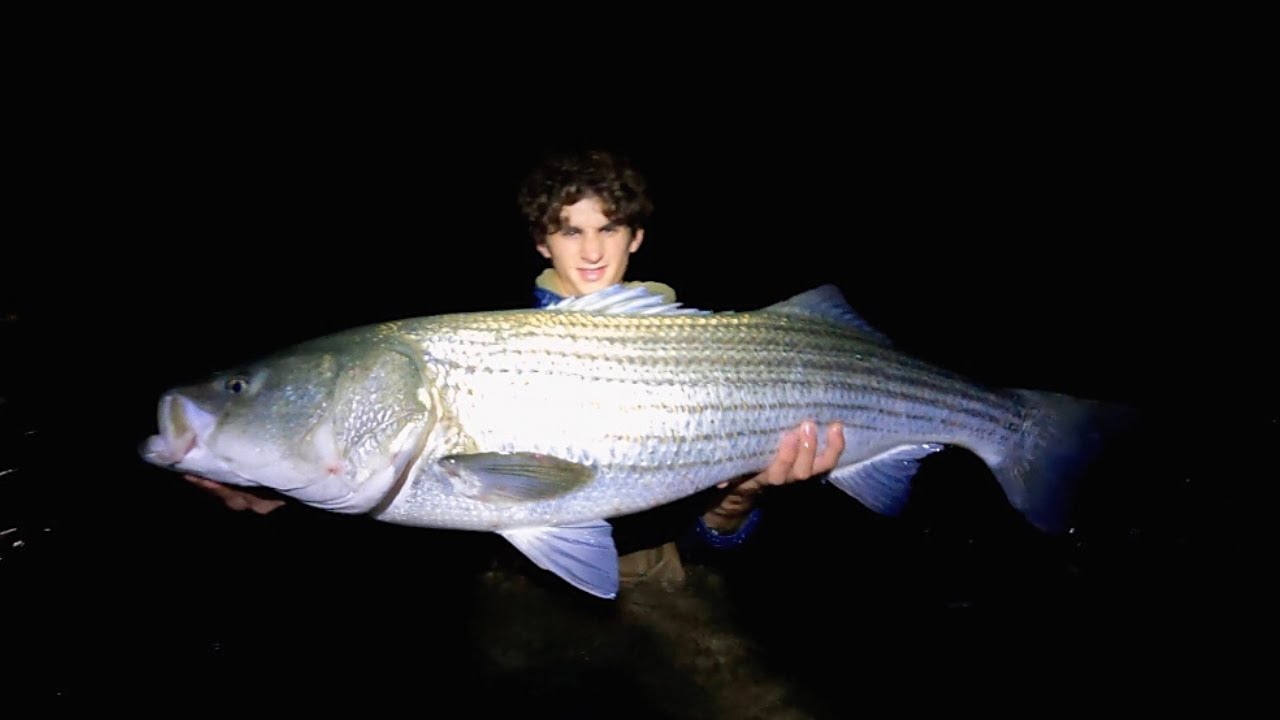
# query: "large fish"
{"type": "Point", "coordinates": [542, 424]}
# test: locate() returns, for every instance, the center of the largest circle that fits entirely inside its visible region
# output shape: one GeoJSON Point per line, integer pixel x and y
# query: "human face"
{"type": "Point", "coordinates": [589, 252]}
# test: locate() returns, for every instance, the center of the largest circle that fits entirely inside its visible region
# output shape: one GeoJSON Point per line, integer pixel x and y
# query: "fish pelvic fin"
{"type": "Point", "coordinates": [1062, 437]}
{"type": "Point", "coordinates": [583, 554]}
{"type": "Point", "coordinates": [828, 303]}
{"type": "Point", "coordinates": [883, 482]}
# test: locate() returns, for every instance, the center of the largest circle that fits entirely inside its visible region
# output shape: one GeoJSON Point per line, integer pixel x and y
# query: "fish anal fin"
{"type": "Point", "coordinates": [883, 482]}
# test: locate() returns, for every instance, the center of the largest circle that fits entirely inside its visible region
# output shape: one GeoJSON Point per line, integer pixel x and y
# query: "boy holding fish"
{"type": "Point", "coordinates": [587, 214]}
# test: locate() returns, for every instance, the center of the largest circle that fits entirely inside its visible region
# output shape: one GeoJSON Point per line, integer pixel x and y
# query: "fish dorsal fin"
{"type": "Point", "coordinates": [621, 300]}
{"type": "Point", "coordinates": [828, 303]}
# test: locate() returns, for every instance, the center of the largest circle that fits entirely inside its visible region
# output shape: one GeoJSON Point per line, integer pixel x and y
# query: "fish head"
{"type": "Point", "coordinates": [333, 427]}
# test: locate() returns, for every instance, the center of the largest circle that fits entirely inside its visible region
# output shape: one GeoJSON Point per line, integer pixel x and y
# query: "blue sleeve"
{"type": "Point", "coordinates": [707, 537]}
{"type": "Point", "coordinates": [544, 298]}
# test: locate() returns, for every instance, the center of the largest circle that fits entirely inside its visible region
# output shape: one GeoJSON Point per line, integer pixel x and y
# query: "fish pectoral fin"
{"type": "Point", "coordinates": [883, 482]}
{"type": "Point", "coordinates": [514, 476]}
{"type": "Point", "coordinates": [584, 554]}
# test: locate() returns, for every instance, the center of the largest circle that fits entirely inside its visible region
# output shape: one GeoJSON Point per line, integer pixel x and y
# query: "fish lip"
{"type": "Point", "coordinates": [179, 431]}
{"type": "Point", "coordinates": [156, 449]}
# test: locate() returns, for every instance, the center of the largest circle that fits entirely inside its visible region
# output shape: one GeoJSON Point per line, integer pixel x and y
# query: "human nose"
{"type": "Point", "coordinates": [592, 248]}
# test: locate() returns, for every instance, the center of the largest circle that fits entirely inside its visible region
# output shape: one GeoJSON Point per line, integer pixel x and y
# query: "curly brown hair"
{"type": "Point", "coordinates": [565, 178]}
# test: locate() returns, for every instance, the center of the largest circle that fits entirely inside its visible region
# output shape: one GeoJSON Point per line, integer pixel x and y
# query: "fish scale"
{"type": "Point", "coordinates": [569, 386]}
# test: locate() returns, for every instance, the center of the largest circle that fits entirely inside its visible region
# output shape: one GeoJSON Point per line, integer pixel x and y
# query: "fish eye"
{"type": "Point", "coordinates": [236, 385]}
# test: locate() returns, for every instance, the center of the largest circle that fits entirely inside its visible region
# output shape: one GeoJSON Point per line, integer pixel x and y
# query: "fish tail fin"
{"type": "Point", "coordinates": [1062, 437]}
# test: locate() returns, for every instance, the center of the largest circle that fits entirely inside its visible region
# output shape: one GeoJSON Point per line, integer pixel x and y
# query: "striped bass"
{"type": "Point", "coordinates": [543, 424]}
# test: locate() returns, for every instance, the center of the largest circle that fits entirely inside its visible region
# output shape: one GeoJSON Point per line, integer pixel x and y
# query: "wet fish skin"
{"type": "Point", "coordinates": [541, 425]}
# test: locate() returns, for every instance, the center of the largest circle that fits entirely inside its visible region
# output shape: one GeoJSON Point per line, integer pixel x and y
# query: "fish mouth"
{"type": "Point", "coordinates": [182, 425]}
